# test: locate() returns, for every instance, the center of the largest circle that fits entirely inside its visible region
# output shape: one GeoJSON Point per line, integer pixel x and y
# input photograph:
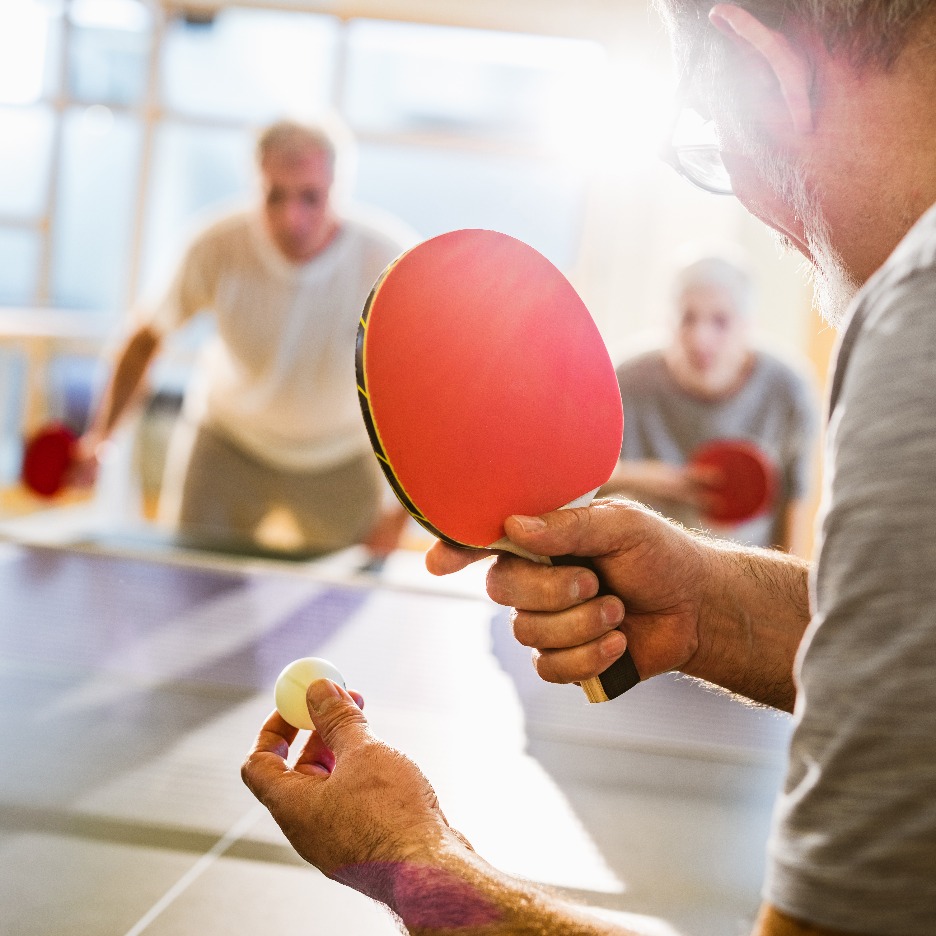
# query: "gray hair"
{"type": "Point", "coordinates": [871, 33]}
{"type": "Point", "coordinates": [290, 137]}
{"type": "Point", "coordinates": [721, 271]}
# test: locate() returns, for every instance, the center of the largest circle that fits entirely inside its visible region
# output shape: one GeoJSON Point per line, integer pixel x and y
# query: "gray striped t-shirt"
{"type": "Point", "coordinates": [774, 409]}
{"type": "Point", "coordinates": [854, 840]}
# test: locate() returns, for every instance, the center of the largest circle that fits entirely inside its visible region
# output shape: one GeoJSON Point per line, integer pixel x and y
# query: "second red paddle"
{"type": "Point", "coordinates": [747, 482]}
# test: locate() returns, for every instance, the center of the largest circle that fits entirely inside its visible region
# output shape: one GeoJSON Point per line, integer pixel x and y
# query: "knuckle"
{"type": "Point", "coordinates": [567, 666]}
{"type": "Point", "coordinates": [543, 668]}
{"type": "Point", "coordinates": [344, 718]}
{"type": "Point", "coordinates": [585, 622]}
{"type": "Point", "coordinates": [545, 665]}
{"type": "Point", "coordinates": [496, 584]}
{"type": "Point", "coordinates": [247, 770]}
{"type": "Point", "coordinates": [524, 628]}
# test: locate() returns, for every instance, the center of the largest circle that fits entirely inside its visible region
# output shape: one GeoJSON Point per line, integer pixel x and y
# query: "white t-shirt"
{"type": "Point", "coordinates": [278, 377]}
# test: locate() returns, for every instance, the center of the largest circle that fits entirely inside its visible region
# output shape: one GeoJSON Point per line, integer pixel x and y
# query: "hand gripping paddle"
{"type": "Point", "coordinates": [747, 484]}
{"type": "Point", "coordinates": [487, 391]}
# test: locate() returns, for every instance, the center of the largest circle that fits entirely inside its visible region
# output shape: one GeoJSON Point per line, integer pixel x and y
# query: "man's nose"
{"type": "Point", "coordinates": [293, 215]}
{"type": "Point", "coordinates": [703, 337]}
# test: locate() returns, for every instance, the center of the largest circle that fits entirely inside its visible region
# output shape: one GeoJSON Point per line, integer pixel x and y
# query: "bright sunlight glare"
{"type": "Point", "coordinates": [22, 51]}
{"type": "Point", "coordinates": [612, 120]}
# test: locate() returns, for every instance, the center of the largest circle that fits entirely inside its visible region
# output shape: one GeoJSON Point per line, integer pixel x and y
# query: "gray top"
{"type": "Point", "coordinates": [774, 409]}
{"type": "Point", "coordinates": [854, 842]}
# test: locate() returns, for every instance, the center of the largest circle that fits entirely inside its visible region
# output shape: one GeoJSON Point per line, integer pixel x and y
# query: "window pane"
{"type": "Point", "coordinates": [195, 168]}
{"type": "Point", "coordinates": [440, 190]}
{"type": "Point", "coordinates": [417, 78]}
{"type": "Point", "coordinates": [109, 50]}
{"type": "Point", "coordinates": [25, 147]}
{"type": "Point", "coordinates": [27, 61]}
{"type": "Point", "coordinates": [12, 398]}
{"type": "Point", "coordinates": [19, 265]}
{"type": "Point", "coordinates": [101, 153]}
{"type": "Point", "coordinates": [249, 65]}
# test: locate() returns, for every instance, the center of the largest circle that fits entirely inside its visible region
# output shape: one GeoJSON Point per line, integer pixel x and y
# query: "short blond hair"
{"type": "Point", "coordinates": [292, 138]}
{"type": "Point", "coordinates": [722, 271]}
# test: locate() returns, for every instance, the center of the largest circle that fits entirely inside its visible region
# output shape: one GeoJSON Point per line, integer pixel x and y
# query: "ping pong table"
{"type": "Point", "coordinates": [132, 685]}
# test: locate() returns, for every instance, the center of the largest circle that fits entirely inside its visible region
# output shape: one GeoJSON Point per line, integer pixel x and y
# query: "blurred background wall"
{"type": "Point", "coordinates": [123, 122]}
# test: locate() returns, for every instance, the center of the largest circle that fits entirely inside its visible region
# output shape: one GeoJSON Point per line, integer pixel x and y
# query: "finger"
{"type": "Point", "coordinates": [338, 719]}
{"type": "Point", "coordinates": [266, 760]}
{"type": "Point", "coordinates": [519, 583]}
{"type": "Point", "coordinates": [596, 530]}
{"type": "Point", "coordinates": [316, 758]}
{"type": "Point", "coordinates": [579, 663]}
{"type": "Point", "coordinates": [571, 628]}
{"type": "Point", "coordinates": [443, 559]}
{"type": "Point", "coordinates": [705, 476]}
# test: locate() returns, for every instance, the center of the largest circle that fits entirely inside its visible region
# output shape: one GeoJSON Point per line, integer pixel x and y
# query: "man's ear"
{"type": "Point", "coordinates": [773, 51]}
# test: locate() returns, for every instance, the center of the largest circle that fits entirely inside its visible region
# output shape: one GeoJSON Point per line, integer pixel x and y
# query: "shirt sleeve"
{"type": "Point", "coordinates": [189, 292]}
{"type": "Point", "coordinates": [633, 377]}
{"type": "Point", "coordinates": [800, 461]}
{"type": "Point", "coordinates": [854, 839]}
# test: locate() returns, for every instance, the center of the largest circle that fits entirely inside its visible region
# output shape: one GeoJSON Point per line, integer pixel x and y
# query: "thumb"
{"type": "Point", "coordinates": [595, 530]}
{"type": "Point", "coordinates": [337, 717]}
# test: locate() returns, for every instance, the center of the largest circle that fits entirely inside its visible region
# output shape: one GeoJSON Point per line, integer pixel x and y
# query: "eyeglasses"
{"type": "Point", "coordinates": [692, 147]}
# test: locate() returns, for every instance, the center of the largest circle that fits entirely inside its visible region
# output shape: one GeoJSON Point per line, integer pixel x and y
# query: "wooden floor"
{"type": "Point", "coordinates": [133, 678]}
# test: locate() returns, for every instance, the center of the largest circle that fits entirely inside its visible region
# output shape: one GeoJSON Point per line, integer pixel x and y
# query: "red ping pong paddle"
{"type": "Point", "coordinates": [487, 391]}
{"type": "Point", "coordinates": [748, 480]}
{"type": "Point", "coordinates": [48, 456]}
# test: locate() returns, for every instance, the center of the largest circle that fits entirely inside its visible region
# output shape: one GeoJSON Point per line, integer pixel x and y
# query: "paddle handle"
{"type": "Point", "coordinates": [622, 674]}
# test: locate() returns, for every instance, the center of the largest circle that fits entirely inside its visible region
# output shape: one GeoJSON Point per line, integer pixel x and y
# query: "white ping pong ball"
{"type": "Point", "coordinates": [291, 686]}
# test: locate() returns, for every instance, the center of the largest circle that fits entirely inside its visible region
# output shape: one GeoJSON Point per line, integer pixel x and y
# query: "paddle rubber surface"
{"type": "Point", "coordinates": [485, 384]}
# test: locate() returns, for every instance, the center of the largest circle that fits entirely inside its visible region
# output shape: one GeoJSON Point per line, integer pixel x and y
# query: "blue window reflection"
{"type": "Point", "coordinates": [25, 152]}
{"type": "Point", "coordinates": [19, 266]}
{"type": "Point", "coordinates": [248, 65]}
{"type": "Point", "coordinates": [95, 208]}
{"type": "Point", "coordinates": [436, 190]}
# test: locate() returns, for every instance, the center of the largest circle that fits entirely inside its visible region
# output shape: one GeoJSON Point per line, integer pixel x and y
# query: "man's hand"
{"type": "Point", "coordinates": [385, 536]}
{"type": "Point", "coordinates": [654, 570]}
{"type": "Point", "coordinates": [83, 472]}
{"type": "Point", "coordinates": [656, 481]}
{"type": "Point", "coordinates": [728, 614]}
{"type": "Point", "coordinates": [351, 803]}
{"type": "Point", "coordinates": [364, 814]}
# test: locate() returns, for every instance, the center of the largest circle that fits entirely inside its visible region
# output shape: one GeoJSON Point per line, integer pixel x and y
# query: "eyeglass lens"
{"type": "Point", "coordinates": [696, 149]}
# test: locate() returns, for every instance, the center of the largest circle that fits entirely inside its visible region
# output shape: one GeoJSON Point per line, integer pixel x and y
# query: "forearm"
{"type": "Point", "coordinates": [629, 479]}
{"type": "Point", "coordinates": [773, 922]}
{"type": "Point", "coordinates": [752, 621]}
{"type": "Point", "coordinates": [123, 386]}
{"type": "Point", "coordinates": [452, 890]}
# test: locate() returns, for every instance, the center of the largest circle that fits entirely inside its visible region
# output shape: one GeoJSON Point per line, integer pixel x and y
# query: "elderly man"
{"type": "Point", "coordinates": [825, 113]}
{"type": "Point", "coordinates": [712, 382]}
{"type": "Point", "coordinates": [271, 418]}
